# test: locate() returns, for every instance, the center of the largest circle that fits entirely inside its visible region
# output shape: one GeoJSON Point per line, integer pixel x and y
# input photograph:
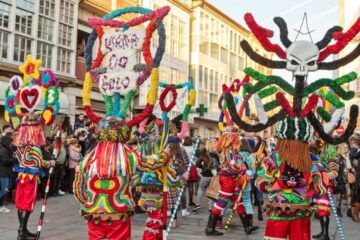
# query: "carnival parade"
{"type": "Point", "coordinates": [175, 119]}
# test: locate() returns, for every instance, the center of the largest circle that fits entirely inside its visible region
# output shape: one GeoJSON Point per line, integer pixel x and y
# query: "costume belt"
{"type": "Point", "coordinates": [106, 217]}
{"type": "Point", "coordinates": [289, 210]}
{"type": "Point", "coordinates": [32, 171]}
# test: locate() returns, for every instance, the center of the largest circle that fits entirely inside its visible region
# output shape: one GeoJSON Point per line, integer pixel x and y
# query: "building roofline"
{"type": "Point", "coordinates": [222, 14]}
{"type": "Point", "coordinates": [181, 5]}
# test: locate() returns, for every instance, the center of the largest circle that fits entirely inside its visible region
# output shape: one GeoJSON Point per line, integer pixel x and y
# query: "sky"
{"type": "Point", "coordinates": [322, 15]}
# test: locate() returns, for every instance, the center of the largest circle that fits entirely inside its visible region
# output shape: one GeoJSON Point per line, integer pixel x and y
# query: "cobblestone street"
{"type": "Point", "coordinates": [62, 221]}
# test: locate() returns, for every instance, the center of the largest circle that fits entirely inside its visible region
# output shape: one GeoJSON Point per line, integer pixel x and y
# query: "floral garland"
{"type": "Point", "coordinates": [36, 86]}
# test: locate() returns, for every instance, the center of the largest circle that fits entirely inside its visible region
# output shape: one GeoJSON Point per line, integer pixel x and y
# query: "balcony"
{"type": "Point", "coordinates": [101, 7]}
{"type": "Point", "coordinates": [80, 68]}
{"type": "Point", "coordinates": [105, 6]}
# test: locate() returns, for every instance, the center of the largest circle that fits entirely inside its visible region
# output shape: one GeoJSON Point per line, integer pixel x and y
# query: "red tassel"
{"type": "Point", "coordinates": [285, 104]}
{"type": "Point", "coordinates": [147, 42]}
{"type": "Point", "coordinates": [342, 40]}
{"type": "Point", "coordinates": [263, 35]}
{"type": "Point", "coordinates": [99, 58]}
{"type": "Point", "coordinates": [91, 115]}
{"type": "Point", "coordinates": [225, 88]}
{"type": "Point", "coordinates": [141, 116]}
{"type": "Point", "coordinates": [310, 105]}
{"type": "Point", "coordinates": [29, 135]}
{"type": "Point", "coordinates": [163, 96]}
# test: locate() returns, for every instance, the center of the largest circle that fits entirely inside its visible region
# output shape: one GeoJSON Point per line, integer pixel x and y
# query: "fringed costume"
{"type": "Point", "coordinates": [155, 165]}
{"type": "Point", "coordinates": [288, 176]}
{"type": "Point", "coordinates": [234, 178]}
{"type": "Point", "coordinates": [327, 164]}
{"type": "Point", "coordinates": [102, 183]}
{"type": "Point", "coordinates": [157, 190]}
{"type": "Point", "coordinates": [24, 114]}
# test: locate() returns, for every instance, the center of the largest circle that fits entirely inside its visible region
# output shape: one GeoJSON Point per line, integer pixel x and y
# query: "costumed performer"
{"type": "Point", "coordinates": [102, 183]}
{"type": "Point", "coordinates": [22, 110]}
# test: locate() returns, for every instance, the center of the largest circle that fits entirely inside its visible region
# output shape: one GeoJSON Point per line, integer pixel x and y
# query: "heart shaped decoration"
{"type": "Point", "coordinates": [30, 97]}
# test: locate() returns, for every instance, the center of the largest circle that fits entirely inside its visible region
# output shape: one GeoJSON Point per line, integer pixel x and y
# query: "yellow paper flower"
{"type": "Point", "coordinates": [30, 68]}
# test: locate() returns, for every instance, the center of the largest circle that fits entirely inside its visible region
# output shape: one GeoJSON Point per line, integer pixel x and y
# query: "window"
{"type": "Point", "coordinates": [211, 80]}
{"type": "Point", "coordinates": [214, 51]}
{"type": "Point", "coordinates": [26, 4]}
{"type": "Point", "coordinates": [213, 101]}
{"type": "Point", "coordinates": [4, 15]}
{"type": "Point", "coordinates": [204, 45]}
{"type": "Point", "coordinates": [44, 51]}
{"type": "Point", "coordinates": [216, 82]}
{"type": "Point", "coordinates": [174, 31]}
{"type": "Point", "coordinates": [23, 21]}
{"type": "Point", "coordinates": [67, 12]}
{"type": "Point", "coordinates": [203, 98]}
{"type": "Point", "coordinates": [4, 44]}
{"type": "Point", "coordinates": [47, 8]}
{"type": "Point", "coordinates": [182, 41]}
{"type": "Point", "coordinates": [65, 34]}
{"type": "Point", "coordinates": [45, 29]}
{"type": "Point", "coordinates": [63, 60]}
{"type": "Point", "coordinates": [206, 79]}
{"type": "Point", "coordinates": [174, 76]}
{"type": "Point", "coordinates": [241, 63]}
{"type": "Point", "coordinates": [240, 52]}
{"type": "Point", "coordinates": [22, 47]}
{"type": "Point", "coordinates": [192, 74]}
{"type": "Point", "coordinates": [232, 61]}
{"type": "Point", "coordinates": [201, 74]}
{"type": "Point", "coordinates": [224, 55]}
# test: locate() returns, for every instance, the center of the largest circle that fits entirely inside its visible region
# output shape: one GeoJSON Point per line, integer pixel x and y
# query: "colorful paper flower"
{"type": "Point", "coordinates": [30, 68]}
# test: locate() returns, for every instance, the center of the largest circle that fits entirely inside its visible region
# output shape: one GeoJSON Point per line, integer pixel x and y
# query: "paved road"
{"type": "Point", "coordinates": [62, 221]}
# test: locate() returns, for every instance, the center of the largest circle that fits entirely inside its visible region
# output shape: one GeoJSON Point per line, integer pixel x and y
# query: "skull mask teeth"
{"type": "Point", "coordinates": [301, 58]}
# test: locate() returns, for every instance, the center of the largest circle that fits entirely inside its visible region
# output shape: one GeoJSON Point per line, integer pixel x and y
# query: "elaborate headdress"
{"type": "Point", "coordinates": [31, 101]}
{"type": "Point", "coordinates": [300, 57]}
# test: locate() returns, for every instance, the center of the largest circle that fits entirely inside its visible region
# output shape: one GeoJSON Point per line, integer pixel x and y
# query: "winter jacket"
{"type": "Point", "coordinates": [74, 157]}
{"type": "Point", "coordinates": [6, 156]}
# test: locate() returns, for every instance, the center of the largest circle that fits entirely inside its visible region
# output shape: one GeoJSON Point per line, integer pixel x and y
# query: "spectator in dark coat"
{"type": "Point", "coordinates": [79, 122]}
{"type": "Point", "coordinates": [6, 162]}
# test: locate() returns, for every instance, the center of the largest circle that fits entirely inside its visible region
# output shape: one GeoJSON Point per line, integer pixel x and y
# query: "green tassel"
{"type": "Point", "coordinates": [326, 82]}
{"type": "Point", "coordinates": [270, 80]}
{"type": "Point", "coordinates": [255, 74]}
{"type": "Point", "coordinates": [109, 105]}
{"type": "Point", "coordinates": [334, 100]}
{"type": "Point", "coordinates": [271, 105]}
{"type": "Point", "coordinates": [346, 78]}
{"type": "Point", "coordinates": [267, 92]}
{"type": "Point", "coordinates": [186, 112]}
{"type": "Point", "coordinates": [126, 103]}
{"type": "Point", "coordinates": [323, 114]}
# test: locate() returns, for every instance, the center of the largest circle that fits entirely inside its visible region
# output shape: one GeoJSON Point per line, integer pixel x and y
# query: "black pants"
{"type": "Point", "coordinates": [71, 179]}
{"type": "Point", "coordinates": [59, 173]}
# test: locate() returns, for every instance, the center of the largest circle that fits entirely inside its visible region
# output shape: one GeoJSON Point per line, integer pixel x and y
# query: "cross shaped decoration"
{"type": "Point", "coordinates": [201, 110]}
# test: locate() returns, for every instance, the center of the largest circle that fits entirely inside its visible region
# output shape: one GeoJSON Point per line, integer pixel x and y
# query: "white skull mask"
{"type": "Point", "coordinates": [301, 58]}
